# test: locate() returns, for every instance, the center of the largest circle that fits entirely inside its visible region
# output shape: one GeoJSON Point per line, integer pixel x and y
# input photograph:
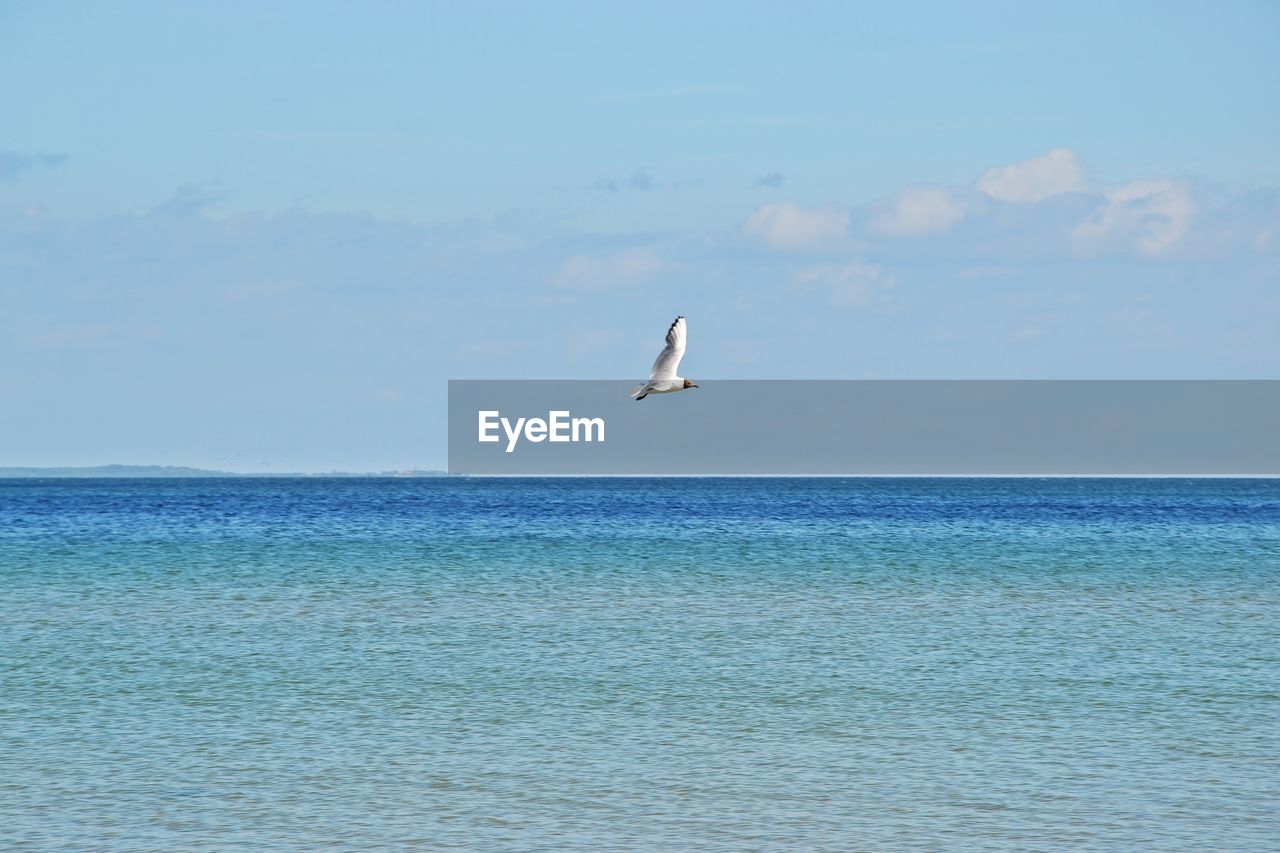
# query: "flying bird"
{"type": "Point", "coordinates": [662, 376]}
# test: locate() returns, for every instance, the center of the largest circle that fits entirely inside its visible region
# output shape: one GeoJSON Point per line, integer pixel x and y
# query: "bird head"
{"type": "Point", "coordinates": [688, 383]}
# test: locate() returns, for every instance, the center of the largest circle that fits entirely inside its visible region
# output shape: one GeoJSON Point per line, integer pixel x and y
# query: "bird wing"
{"type": "Point", "coordinates": [668, 361]}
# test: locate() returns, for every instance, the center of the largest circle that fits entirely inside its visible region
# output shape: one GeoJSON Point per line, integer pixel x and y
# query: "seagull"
{"type": "Point", "coordinates": [662, 376]}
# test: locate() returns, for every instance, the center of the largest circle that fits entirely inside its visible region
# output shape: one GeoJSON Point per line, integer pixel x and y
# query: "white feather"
{"type": "Point", "coordinates": [668, 361]}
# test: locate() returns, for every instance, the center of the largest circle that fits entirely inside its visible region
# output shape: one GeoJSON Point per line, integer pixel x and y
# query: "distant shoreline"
{"type": "Point", "coordinates": [171, 472]}
{"type": "Point", "coordinates": [161, 472]}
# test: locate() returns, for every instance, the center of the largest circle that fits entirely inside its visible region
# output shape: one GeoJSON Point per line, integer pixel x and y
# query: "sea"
{"type": "Point", "coordinates": [640, 664]}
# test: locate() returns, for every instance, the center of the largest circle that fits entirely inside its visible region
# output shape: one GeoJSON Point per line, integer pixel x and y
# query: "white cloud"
{"type": "Point", "coordinates": [920, 210]}
{"type": "Point", "coordinates": [1265, 238]}
{"type": "Point", "coordinates": [625, 267]}
{"type": "Point", "coordinates": [849, 285]}
{"type": "Point", "coordinates": [1150, 216]}
{"type": "Point", "coordinates": [14, 163]}
{"type": "Point", "coordinates": [262, 288]}
{"type": "Point", "coordinates": [1060, 171]}
{"type": "Point", "coordinates": [69, 335]}
{"type": "Point", "coordinates": [786, 225]}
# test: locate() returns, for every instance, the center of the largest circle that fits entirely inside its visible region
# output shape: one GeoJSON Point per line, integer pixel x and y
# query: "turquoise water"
{"type": "Point", "coordinates": [631, 664]}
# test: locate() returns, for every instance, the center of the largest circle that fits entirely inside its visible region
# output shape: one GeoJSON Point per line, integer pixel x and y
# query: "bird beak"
{"type": "Point", "coordinates": [693, 386]}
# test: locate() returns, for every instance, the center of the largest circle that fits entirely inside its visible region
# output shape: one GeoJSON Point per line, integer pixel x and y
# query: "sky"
{"type": "Point", "coordinates": [262, 237]}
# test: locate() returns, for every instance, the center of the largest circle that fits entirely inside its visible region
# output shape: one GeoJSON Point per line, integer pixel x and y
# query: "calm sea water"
{"type": "Point", "coordinates": [631, 664]}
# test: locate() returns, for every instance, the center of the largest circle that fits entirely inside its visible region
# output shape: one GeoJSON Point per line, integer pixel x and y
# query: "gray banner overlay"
{"type": "Point", "coordinates": [866, 428]}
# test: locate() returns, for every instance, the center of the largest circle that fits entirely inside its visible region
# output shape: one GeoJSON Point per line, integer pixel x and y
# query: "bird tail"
{"type": "Point", "coordinates": [638, 392]}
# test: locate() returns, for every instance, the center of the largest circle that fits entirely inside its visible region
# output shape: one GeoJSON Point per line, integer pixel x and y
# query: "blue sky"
{"type": "Point", "coordinates": [263, 236]}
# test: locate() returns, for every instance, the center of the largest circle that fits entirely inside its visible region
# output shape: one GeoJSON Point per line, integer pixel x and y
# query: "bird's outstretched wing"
{"type": "Point", "coordinates": [668, 361]}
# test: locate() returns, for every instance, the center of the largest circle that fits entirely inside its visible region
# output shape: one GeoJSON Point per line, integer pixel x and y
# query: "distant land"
{"type": "Point", "coordinates": [140, 471]}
